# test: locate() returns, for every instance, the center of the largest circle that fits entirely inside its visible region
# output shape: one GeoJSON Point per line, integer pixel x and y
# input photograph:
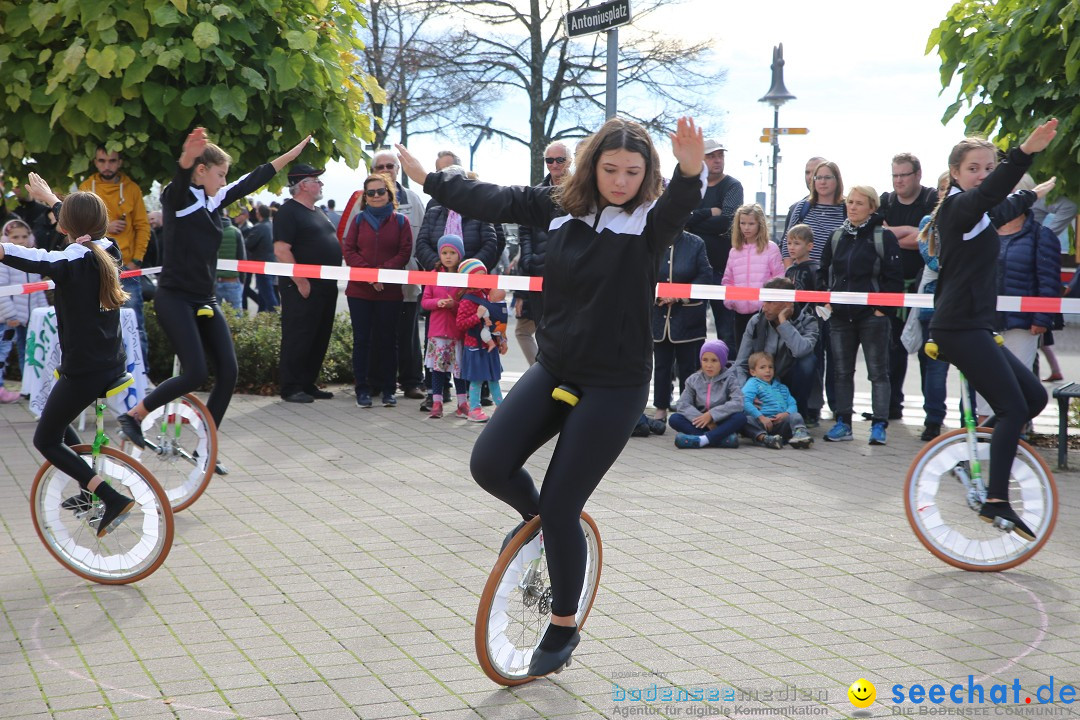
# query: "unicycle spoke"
{"type": "Point", "coordinates": [181, 449]}
{"type": "Point", "coordinates": [943, 501]}
{"type": "Point", "coordinates": [515, 606]}
{"type": "Point", "coordinates": [132, 550]}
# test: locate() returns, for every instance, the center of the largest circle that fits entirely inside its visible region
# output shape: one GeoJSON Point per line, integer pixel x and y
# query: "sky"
{"type": "Point", "coordinates": [864, 88]}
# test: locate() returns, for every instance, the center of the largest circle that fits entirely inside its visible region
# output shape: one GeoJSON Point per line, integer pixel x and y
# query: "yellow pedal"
{"type": "Point", "coordinates": [566, 394]}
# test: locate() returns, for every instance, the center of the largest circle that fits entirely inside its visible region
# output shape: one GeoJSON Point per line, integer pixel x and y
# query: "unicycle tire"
{"type": "Point", "coordinates": [133, 550]}
{"type": "Point", "coordinates": [937, 507]}
{"type": "Point", "coordinates": [515, 606]}
{"type": "Point", "coordinates": [183, 456]}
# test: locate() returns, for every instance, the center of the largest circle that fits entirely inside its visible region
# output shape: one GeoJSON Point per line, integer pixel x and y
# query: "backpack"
{"type": "Point", "coordinates": [879, 247]}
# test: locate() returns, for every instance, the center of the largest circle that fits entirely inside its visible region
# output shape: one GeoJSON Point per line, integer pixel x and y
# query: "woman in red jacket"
{"type": "Point", "coordinates": [377, 238]}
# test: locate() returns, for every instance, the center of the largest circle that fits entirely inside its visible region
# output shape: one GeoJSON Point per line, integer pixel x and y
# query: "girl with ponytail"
{"type": "Point", "coordinates": [88, 299]}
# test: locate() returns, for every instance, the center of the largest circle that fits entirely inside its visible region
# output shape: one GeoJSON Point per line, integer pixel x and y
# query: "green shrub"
{"type": "Point", "coordinates": [258, 343]}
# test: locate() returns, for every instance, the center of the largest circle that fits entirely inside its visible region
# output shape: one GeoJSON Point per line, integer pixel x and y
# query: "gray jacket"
{"type": "Point", "coordinates": [792, 340]}
{"type": "Point", "coordinates": [725, 398]}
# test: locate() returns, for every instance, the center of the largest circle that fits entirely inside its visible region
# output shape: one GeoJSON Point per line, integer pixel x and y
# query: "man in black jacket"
{"type": "Point", "coordinates": [711, 221]}
{"type": "Point", "coordinates": [532, 246]}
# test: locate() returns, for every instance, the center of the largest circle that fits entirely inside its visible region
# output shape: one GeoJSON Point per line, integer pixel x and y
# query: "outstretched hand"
{"type": "Point", "coordinates": [193, 147]}
{"type": "Point", "coordinates": [39, 190]}
{"type": "Point", "coordinates": [411, 165]}
{"type": "Point", "coordinates": [1044, 188]}
{"type": "Point", "coordinates": [688, 144]}
{"type": "Point", "coordinates": [288, 157]}
{"type": "Point", "coordinates": [1040, 137]}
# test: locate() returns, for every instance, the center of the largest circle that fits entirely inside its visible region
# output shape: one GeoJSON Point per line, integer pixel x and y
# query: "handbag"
{"type": "Point", "coordinates": [911, 337]}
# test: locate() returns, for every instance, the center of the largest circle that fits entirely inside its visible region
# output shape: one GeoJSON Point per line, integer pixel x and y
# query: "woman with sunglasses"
{"type": "Point", "coordinates": [378, 237]}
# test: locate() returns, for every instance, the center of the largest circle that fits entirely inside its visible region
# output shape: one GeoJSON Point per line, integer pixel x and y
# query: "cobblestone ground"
{"type": "Point", "coordinates": [335, 573]}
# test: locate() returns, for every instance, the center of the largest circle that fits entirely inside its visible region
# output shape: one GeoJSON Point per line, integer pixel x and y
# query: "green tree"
{"type": "Point", "coordinates": [137, 76]}
{"type": "Point", "coordinates": [1017, 62]}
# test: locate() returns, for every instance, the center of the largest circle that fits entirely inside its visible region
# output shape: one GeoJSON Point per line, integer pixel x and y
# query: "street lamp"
{"type": "Point", "coordinates": [777, 96]}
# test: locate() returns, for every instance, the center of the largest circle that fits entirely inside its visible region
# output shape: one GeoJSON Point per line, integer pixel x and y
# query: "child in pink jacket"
{"type": "Point", "coordinates": [443, 354]}
{"type": "Point", "coordinates": [753, 261]}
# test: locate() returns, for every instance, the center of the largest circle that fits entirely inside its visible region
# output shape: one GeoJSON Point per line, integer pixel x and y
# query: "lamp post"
{"type": "Point", "coordinates": [777, 96]}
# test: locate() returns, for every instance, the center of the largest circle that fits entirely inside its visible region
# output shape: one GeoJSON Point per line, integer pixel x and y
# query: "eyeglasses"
{"type": "Point", "coordinates": [377, 192]}
{"type": "Point", "coordinates": [898, 176]}
{"type": "Point", "coordinates": [386, 166]}
{"type": "Point", "coordinates": [824, 177]}
{"type": "Point", "coordinates": [553, 160]}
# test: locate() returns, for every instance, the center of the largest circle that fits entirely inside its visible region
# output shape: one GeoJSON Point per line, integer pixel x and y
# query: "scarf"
{"type": "Point", "coordinates": [377, 216]}
{"type": "Point", "coordinates": [453, 224]}
{"type": "Point", "coordinates": [853, 229]}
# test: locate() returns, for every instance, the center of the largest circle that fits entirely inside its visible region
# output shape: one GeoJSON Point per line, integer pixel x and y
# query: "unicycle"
{"type": "Point", "coordinates": [515, 606]}
{"type": "Point", "coordinates": [946, 487]}
{"type": "Point", "coordinates": [66, 520]}
{"type": "Point", "coordinates": [181, 444]}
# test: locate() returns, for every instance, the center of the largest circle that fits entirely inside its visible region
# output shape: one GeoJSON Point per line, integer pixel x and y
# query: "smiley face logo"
{"type": "Point", "coordinates": [862, 693]}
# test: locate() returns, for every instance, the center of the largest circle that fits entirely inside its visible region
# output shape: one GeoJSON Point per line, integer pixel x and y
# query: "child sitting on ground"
{"type": "Point", "coordinates": [709, 411]}
{"type": "Point", "coordinates": [771, 415]}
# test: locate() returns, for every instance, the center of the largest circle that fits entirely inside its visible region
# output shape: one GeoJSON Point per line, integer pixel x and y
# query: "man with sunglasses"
{"type": "Point", "coordinates": [711, 221]}
{"type": "Point", "coordinates": [532, 246]}
{"type": "Point", "coordinates": [410, 370]}
{"type": "Point", "coordinates": [902, 209]}
{"type": "Point", "coordinates": [303, 234]}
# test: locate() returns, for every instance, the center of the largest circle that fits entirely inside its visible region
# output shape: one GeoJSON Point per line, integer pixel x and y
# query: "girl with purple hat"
{"type": "Point", "coordinates": [444, 351]}
{"type": "Point", "coordinates": [710, 410]}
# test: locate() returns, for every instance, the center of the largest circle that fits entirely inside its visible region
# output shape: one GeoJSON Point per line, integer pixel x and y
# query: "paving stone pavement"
{"type": "Point", "coordinates": [335, 573]}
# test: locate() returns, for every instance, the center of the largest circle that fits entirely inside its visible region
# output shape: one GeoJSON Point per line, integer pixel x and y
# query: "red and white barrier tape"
{"type": "Point", "coordinates": [1006, 303]}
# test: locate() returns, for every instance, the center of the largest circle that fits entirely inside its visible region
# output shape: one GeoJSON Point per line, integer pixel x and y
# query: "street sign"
{"type": "Point", "coordinates": [597, 18]}
{"type": "Point", "coordinates": [785, 131]}
{"type": "Point", "coordinates": [766, 138]}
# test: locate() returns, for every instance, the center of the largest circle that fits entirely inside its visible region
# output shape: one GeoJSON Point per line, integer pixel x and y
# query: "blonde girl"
{"type": "Point", "coordinates": [754, 260]}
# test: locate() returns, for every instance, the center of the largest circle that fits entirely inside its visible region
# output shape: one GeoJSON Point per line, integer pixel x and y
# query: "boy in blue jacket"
{"type": "Point", "coordinates": [771, 414]}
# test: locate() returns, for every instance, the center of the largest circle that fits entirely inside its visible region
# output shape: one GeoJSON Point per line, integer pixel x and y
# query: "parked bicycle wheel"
{"type": "Point", "coordinates": [181, 449]}
{"type": "Point", "coordinates": [516, 603]}
{"type": "Point", "coordinates": [943, 503]}
{"type": "Point", "coordinates": [132, 550]}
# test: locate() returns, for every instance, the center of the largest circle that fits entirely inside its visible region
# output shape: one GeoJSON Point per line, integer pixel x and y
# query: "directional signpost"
{"type": "Point", "coordinates": [605, 17]}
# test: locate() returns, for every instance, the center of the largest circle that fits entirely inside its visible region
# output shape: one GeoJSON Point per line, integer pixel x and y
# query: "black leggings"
{"type": "Point", "coordinates": [591, 437]}
{"type": "Point", "coordinates": [69, 397]}
{"type": "Point", "coordinates": [192, 338]}
{"type": "Point", "coordinates": [1012, 390]}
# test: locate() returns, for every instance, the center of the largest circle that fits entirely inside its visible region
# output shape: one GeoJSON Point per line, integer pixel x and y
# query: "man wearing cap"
{"type": "Point", "coordinates": [128, 227]}
{"type": "Point", "coordinates": [712, 222]}
{"type": "Point", "coordinates": [410, 370]}
{"type": "Point", "coordinates": [304, 235]}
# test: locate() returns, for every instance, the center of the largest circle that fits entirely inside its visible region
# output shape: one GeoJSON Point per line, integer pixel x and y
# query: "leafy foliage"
{"type": "Point", "coordinates": [137, 76]}
{"type": "Point", "coordinates": [1018, 64]}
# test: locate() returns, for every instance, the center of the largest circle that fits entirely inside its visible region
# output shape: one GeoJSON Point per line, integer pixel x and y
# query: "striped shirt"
{"type": "Point", "coordinates": [822, 219]}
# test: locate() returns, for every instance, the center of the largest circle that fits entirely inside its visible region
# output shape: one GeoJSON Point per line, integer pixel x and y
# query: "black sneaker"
{"type": "Point", "coordinates": [299, 397]}
{"type": "Point", "coordinates": [318, 394]}
{"type": "Point", "coordinates": [131, 429]}
{"type": "Point", "coordinates": [545, 662]}
{"type": "Point", "coordinates": [642, 428]}
{"type": "Point", "coordinates": [389, 400]}
{"type": "Point", "coordinates": [113, 515]}
{"type": "Point", "coordinates": [930, 431]}
{"type": "Point", "coordinates": [426, 405]}
{"type": "Point", "coordinates": [79, 504]}
{"type": "Point", "coordinates": [992, 511]}
{"type": "Point", "coordinates": [657, 427]}
{"type": "Point", "coordinates": [363, 399]}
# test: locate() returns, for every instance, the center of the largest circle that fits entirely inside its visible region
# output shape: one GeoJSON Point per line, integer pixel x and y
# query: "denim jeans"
{"type": "Point", "coordinates": [731, 424]}
{"type": "Point", "coordinates": [935, 373]}
{"type": "Point", "coordinates": [724, 318]}
{"type": "Point", "coordinates": [785, 428]}
{"type": "Point", "coordinates": [133, 287]}
{"type": "Point", "coordinates": [268, 297]}
{"type": "Point", "coordinates": [800, 378]}
{"type": "Point", "coordinates": [230, 292]}
{"type": "Point", "coordinates": [874, 334]}
{"type": "Point", "coordinates": [374, 324]}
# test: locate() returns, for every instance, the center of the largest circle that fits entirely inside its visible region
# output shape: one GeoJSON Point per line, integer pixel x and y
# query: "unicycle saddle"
{"type": "Point", "coordinates": [566, 393]}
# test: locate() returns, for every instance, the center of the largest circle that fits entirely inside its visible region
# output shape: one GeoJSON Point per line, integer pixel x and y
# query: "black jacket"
{"type": "Point", "coordinates": [89, 335]}
{"type": "Point", "coordinates": [683, 320]}
{"type": "Point", "coordinates": [532, 244]}
{"type": "Point", "coordinates": [599, 284]}
{"type": "Point", "coordinates": [192, 230]}
{"type": "Point", "coordinates": [851, 269]}
{"type": "Point", "coordinates": [479, 237]}
{"type": "Point", "coordinates": [966, 294]}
